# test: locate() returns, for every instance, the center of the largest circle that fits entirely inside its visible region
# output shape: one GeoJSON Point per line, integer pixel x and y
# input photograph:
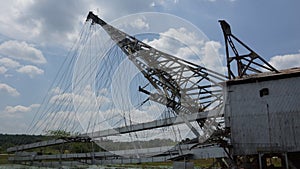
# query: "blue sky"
{"type": "Point", "coordinates": [35, 37]}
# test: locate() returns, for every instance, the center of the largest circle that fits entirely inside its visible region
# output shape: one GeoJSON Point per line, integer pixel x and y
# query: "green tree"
{"type": "Point", "coordinates": [58, 133]}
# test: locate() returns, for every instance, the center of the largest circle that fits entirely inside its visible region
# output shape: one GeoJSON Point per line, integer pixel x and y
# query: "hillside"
{"type": "Point", "coordinates": [10, 140]}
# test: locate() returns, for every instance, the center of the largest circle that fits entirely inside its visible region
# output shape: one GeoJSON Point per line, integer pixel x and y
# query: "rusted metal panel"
{"type": "Point", "coordinates": [264, 115]}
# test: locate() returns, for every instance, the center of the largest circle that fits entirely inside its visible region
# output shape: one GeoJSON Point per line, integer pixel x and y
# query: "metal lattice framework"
{"type": "Point", "coordinates": [193, 92]}
{"type": "Point", "coordinates": [246, 64]}
{"type": "Point", "coordinates": [180, 85]}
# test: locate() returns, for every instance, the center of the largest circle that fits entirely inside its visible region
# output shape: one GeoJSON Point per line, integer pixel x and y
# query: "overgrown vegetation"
{"type": "Point", "coordinates": [7, 141]}
{"type": "Point", "coordinates": [10, 140]}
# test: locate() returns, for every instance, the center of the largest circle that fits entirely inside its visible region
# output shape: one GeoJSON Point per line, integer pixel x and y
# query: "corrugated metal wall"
{"type": "Point", "coordinates": [264, 115]}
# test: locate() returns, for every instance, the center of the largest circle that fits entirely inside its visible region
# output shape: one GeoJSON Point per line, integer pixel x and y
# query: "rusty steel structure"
{"type": "Point", "coordinates": [262, 113]}
{"type": "Point", "coordinates": [261, 109]}
{"type": "Point", "coordinates": [245, 63]}
{"type": "Point", "coordinates": [183, 86]}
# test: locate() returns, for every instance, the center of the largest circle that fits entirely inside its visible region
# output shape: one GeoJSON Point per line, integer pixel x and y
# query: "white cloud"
{"type": "Point", "coordinates": [10, 11]}
{"type": "Point", "coordinates": [211, 56]}
{"type": "Point", "coordinates": [20, 108]}
{"type": "Point", "coordinates": [41, 21]}
{"type": "Point", "coordinates": [62, 99]}
{"type": "Point", "coordinates": [140, 23]}
{"type": "Point", "coordinates": [182, 34]}
{"type": "Point", "coordinates": [164, 3]}
{"type": "Point", "coordinates": [83, 100]}
{"type": "Point", "coordinates": [10, 90]}
{"type": "Point", "coordinates": [285, 61]}
{"type": "Point", "coordinates": [11, 113]}
{"type": "Point", "coordinates": [22, 51]}
{"type": "Point", "coordinates": [46, 22]}
{"type": "Point", "coordinates": [56, 90]}
{"type": "Point", "coordinates": [152, 4]}
{"type": "Point", "coordinates": [218, 0]}
{"type": "Point", "coordinates": [103, 91]}
{"type": "Point", "coordinates": [179, 42]}
{"type": "Point", "coordinates": [2, 69]}
{"type": "Point", "coordinates": [187, 45]}
{"type": "Point", "coordinates": [57, 120]}
{"type": "Point", "coordinates": [7, 62]}
{"type": "Point", "coordinates": [30, 70]}
{"type": "Point", "coordinates": [166, 41]}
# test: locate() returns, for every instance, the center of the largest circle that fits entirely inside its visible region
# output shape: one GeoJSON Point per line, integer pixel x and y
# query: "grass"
{"type": "Point", "coordinates": [4, 159]}
{"type": "Point", "coordinates": [201, 163]}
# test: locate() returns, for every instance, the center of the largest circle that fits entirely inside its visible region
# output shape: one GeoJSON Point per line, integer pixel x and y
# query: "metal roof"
{"type": "Point", "coordinates": [266, 76]}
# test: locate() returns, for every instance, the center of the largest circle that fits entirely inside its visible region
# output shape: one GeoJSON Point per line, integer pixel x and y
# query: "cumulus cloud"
{"type": "Point", "coordinates": [62, 99]}
{"type": "Point", "coordinates": [163, 3]}
{"type": "Point", "coordinates": [83, 99]}
{"type": "Point", "coordinates": [285, 61]}
{"type": "Point", "coordinates": [7, 62]}
{"type": "Point", "coordinates": [182, 34]}
{"type": "Point", "coordinates": [20, 108]}
{"type": "Point", "coordinates": [211, 56]}
{"type": "Point", "coordinates": [140, 23]}
{"type": "Point", "coordinates": [9, 25]}
{"type": "Point", "coordinates": [178, 42]}
{"type": "Point", "coordinates": [216, 0]}
{"type": "Point", "coordinates": [42, 21]}
{"type": "Point", "coordinates": [10, 90]}
{"type": "Point", "coordinates": [56, 23]}
{"type": "Point", "coordinates": [2, 69]}
{"type": "Point", "coordinates": [103, 91]}
{"type": "Point", "coordinates": [56, 90]}
{"type": "Point", "coordinates": [30, 70]}
{"type": "Point", "coordinates": [22, 51]}
{"type": "Point", "coordinates": [46, 22]}
{"type": "Point", "coordinates": [187, 45]}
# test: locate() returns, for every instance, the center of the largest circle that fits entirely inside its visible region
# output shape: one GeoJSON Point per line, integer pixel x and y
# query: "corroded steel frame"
{"type": "Point", "coordinates": [246, 64]}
